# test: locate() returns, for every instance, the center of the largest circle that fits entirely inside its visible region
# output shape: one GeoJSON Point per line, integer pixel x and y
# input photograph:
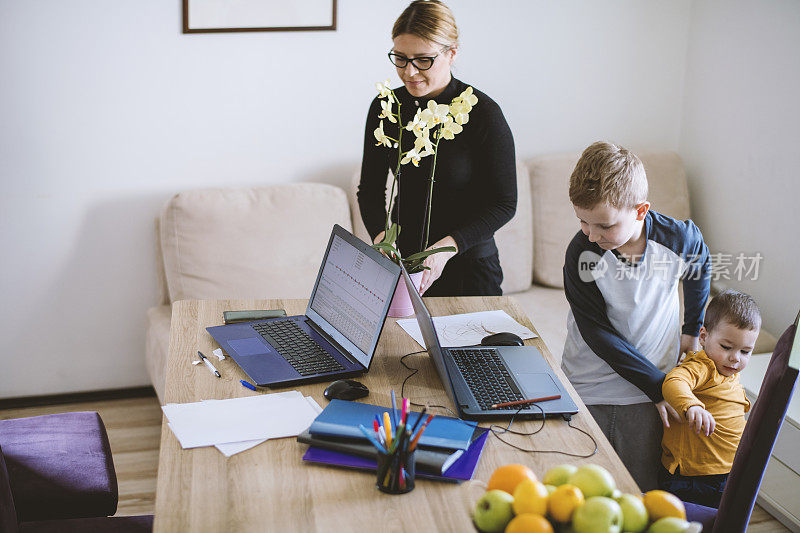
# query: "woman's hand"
{"type": "Point", "coordinates": [379, 238]}
{"type": "Point", "coordinates": [665, 411]}
{"type": "Point", "coordinates": [688, 344]}
{"type": "Point", "coordinates": [436, 262]}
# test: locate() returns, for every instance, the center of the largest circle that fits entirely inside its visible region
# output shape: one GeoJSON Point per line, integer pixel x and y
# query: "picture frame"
{"type": "Point", "coordinates": [217, 16]}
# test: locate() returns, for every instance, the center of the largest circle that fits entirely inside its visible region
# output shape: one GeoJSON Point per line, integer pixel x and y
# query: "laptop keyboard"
{"type": "Point", "coordinates": [487, 377]}
{"type": "Point", "coordinates": [297, 347]}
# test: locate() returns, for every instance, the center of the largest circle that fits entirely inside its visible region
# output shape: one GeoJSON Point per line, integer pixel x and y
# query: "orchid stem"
{"type": "Point", "coordinates": [430, 191]}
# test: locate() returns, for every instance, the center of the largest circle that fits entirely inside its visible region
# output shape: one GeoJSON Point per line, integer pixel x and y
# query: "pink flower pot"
{"type": "Point", "coordinates": [401, 302]}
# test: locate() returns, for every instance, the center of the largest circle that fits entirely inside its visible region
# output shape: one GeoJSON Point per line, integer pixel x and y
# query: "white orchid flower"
{"type": "Point", "coordinates": [384, 91]}
{"type": "Point", "coordinates": [386, 110]}
{"type": "Point", "coordinates": [413, 156]}
{"type": "Point", "coordinates": [417, 125]}
{"type": "Point", "coordinates": [423, 146]}
{"type": "Point", "coordinates": [381, 137]}
{"type": "Point", "coordinates": [467, 97]}
{"type": "Point", "coordinates": [434, 114]}
{"type": "Point", "coordinates": [460, 111]}
{"type": "Point", "coordinates": [450, 128]}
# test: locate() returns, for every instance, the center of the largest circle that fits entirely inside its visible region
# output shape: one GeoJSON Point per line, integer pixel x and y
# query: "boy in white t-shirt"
{"type": "Point", "coordinates": [621, 277]}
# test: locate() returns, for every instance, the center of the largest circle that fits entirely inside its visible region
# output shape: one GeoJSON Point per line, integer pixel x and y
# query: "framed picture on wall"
{"type": "Point", "coordinates": [214, 16]}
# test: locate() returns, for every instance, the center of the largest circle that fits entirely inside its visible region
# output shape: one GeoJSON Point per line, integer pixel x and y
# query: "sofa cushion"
{"type": "Point", "coordinates": [260, 242]}
{"type": "Point", "coordinates": [554, 221]}
{"type": "Point", "coordinates": [514, 240]}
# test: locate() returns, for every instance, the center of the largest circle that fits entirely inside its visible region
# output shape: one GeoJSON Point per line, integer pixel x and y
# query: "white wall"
{"type": "Point", "coordinates": [107, 110]}
{"type": "Point", "coordinates": [741, 142]}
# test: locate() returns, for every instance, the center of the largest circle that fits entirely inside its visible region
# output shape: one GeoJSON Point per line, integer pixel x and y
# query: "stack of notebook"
{"type": "Point", "coordinates": [448, 450]}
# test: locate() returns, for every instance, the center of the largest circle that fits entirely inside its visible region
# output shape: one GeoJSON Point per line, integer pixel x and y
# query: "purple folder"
{"type": "Point", "coordinates": [461, 470]}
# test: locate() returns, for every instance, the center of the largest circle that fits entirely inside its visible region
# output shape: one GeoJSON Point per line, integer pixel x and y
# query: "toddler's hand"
{"type": "Point", "coordinates": [701, 420]}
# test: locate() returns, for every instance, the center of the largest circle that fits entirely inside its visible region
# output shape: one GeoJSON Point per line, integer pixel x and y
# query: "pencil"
{"type": "Point", "coordinates": [413, 445]}
{"type": "Point", "coordinates": [523, 402]}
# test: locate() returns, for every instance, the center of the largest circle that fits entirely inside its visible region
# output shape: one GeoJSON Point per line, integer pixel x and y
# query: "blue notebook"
{"type": "Point", "coordinates": [341, 418]}
{"type": "Point", "coordinates": [461, 470]}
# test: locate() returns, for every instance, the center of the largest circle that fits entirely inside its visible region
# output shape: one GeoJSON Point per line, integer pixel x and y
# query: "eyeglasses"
{"type": "Point", "coordinates": [420, 63]}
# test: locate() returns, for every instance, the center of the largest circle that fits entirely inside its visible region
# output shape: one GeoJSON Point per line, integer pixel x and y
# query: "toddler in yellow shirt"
{"type": "Point", "coordinates": [705, 389]}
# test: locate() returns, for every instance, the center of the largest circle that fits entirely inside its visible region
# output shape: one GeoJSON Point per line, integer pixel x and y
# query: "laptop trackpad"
{"type": "Point", "coordinates": [537, 385]}
{"type": "Point", "coordinates": [249, 346]}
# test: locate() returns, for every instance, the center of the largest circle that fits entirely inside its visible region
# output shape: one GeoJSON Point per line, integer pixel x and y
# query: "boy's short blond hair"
{"type": "Point", "coordinates": [734, 307]}
{"type": "Point", "coordinates": [608, 174]}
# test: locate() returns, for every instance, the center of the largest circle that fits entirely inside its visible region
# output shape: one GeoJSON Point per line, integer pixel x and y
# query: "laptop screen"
{"type": "Point", "coordinates": [353, 292]}
{"type": "Point", "coordinates": [429, 336]}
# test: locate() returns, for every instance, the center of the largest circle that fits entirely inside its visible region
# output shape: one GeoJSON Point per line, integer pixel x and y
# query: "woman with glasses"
{"type": "Point", "coordinates": [475, 190]}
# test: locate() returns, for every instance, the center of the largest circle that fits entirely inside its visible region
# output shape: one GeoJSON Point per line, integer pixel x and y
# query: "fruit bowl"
{"type": "Point", "coordinates": [578, 499]}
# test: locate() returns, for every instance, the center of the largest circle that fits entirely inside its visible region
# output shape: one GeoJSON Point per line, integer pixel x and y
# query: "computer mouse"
{"type": "Point", "coordinates": [504, 338]}
{"type": "Point", "coordinates": [345, 389]}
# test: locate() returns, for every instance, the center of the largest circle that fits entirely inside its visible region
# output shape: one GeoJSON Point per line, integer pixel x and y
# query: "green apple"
{"type": "Point", "coordinates": [634, 513]}
{"type": "Point", "coordinates": [493, 511]}
{"type": "Point", "coordinates": [669, 524]}
{"type": "Point", "coordinates": [550, 489]}
{"type": "Point", "coordinates": [598, 515]}
{"type": "Point", "coordinates": [558, 475]}
{"type": "Point", "coordinates": [593, 480]}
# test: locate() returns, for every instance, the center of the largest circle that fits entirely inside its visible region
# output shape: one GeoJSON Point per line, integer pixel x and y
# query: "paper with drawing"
{"type": "Point", "coordinates": [467, 329]}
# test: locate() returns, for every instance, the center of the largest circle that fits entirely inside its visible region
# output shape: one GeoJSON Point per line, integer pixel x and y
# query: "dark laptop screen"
{"type": "Point", "coordinates": [352, 294]}
{"type": "Point", "coordinates": [429, 336]}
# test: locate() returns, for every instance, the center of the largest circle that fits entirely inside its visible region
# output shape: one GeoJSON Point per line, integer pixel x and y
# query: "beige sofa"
{"type": "Point", "coordinates": [267, 242]}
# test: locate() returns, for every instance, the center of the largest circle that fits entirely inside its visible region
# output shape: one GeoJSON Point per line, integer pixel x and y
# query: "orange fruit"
{"type": "Point", "coordinates": [563, 502]}
{"type": "Point", "coordinates": [529, 523]}
{"type": "Point", "coordinates": [662, 504]}
{"type": "Point", "coordinates": [507, 477]}
{"type": "Point", "coordinates": [530, 497]}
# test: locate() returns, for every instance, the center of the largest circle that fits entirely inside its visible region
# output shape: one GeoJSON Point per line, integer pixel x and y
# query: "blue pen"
{"type": "Point", "coordinates": [247, 384]}
{"type": "Point", "coordinates": [372, 439]}
{"type": "Point", "coordinates": [394, 410]}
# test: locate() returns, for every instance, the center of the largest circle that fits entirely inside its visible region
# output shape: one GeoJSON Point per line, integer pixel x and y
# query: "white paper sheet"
{"type": "Point", "coordinates": [211, 422]}
{"type": "Point", "coordinates": [232, 448]}
{"type": "Point", "coordinates": [467, 329]}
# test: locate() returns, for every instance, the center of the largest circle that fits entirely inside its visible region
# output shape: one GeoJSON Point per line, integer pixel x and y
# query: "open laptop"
{"type": "Point", "coordinates": [478, 377]}
{"type": "Point", "coordinates": [337, 335]}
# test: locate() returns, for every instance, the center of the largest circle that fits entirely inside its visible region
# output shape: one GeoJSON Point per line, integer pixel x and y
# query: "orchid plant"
{"type": "Point", "coordinates": [430, 126]}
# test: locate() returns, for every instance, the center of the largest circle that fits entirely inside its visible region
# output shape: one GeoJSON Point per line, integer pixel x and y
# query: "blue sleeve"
{"type": "Point", "coordinates": [589, 309]}
{"type": "Point", "coordinates": [685, 239]}
{"type": "Point", "coordinates": [696, 280]}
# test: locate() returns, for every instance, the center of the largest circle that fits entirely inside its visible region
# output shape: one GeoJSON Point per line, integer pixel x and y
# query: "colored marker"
{"type": "Point", "coordinates": [387, 426]}
{"type": "Point", "coordinates": [414, 442]}
{"type": "Point", "coordinates": [371, 438]}
{"type": "Point", "coordinates": [247, 384]}
{"type": "Point", "coordinates": [394, 409]}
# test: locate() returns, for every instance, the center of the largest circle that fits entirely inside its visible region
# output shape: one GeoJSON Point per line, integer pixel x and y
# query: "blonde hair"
{"type": "Point", "coordinates": [431, 20]}
{"type": "Point", "coordinates": [608, 174]}
{"type": "Point", "coordinates": [734, 307]}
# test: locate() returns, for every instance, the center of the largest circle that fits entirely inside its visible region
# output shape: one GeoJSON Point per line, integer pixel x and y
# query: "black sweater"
{"type": "Point", "coordinates": [475, 189]}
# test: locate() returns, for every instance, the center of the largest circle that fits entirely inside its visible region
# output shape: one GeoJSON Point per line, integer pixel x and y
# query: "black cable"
{"type": "Point", "coordinates": [499, 430]}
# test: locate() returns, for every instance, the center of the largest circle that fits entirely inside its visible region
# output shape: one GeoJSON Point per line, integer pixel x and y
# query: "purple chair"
{"type": "Point", "coordinates": [757, 442]}
{"type": "Point", "coordinates": [57, 474]}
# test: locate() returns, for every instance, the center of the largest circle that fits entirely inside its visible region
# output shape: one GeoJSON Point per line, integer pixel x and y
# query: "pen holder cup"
{"type": "Point", "coordinates": [396, 471]}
